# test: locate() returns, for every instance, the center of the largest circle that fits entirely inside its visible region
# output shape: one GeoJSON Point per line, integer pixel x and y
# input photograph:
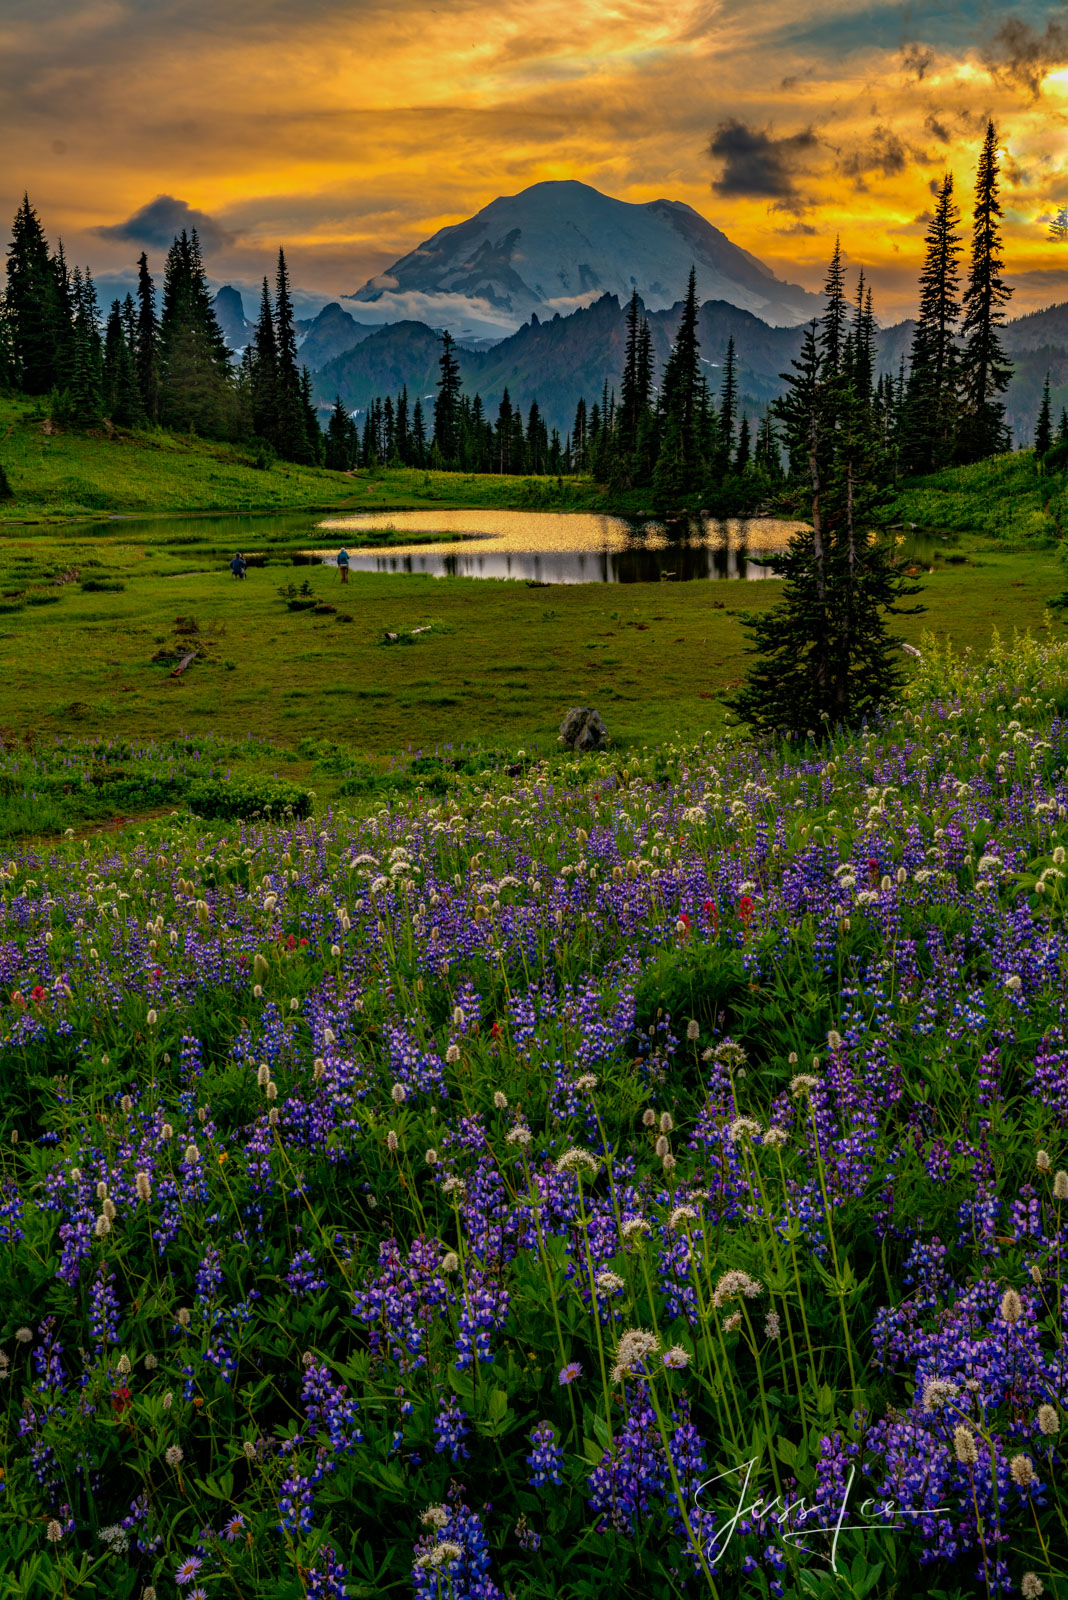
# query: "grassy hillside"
{"type": "Point", "coordinates": [58, 474]}
{"type": "Point", "coordinates": [1006, 498]}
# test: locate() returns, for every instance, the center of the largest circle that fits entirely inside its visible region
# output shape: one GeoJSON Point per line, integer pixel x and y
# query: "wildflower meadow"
{"type": "Point", "coordinates": [643, 1174]}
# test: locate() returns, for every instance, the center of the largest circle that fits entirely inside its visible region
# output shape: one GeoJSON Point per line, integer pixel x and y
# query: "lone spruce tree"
{"type": "Point", "coordinates": [824, 656]}
{"type": "Point", "coordinates": [1044, 425]}
{"type": "Point", "coordinates": [985, 371]}
{"type": "Point", "coordinates": [929, 420]}
{"type": "Point", "coordinates": [447, 405]}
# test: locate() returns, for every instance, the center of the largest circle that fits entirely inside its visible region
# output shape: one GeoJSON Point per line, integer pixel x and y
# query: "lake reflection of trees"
{"type": "Point", "coordinates": [679, 550]}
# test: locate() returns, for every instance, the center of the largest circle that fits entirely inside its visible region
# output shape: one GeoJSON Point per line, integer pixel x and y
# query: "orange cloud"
{"type": "Point", "coordinates": [351, 131]}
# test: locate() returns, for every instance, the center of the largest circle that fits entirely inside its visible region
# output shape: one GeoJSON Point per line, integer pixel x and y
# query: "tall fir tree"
{"type": "Point", "coordinates": [313, 433]}
{"type": "Point", "coordinates": [84, 404]}
{"type": "Point", "coordinates": [503, 435]}
{"type": "Point", "coordinates": [634, 395]}
{"type": "Point", "coordinates": [447, 404]}
{"type": "Point", "coordinates": [196, 391]}
{"type": "Point", "coordinates": [264, 374]}
{"type": "Point", "coordinates": [33, 308]}
{"type": "Point", "coordinates": [728, 410]}
{"type": "Point", "coordinates": [929, 418]}
{"type": "Point", "coordinates": [862, 372]}
{"type": "Point", "coordinates": [121, 393]}
{"type": "Point", "coordinates": [292, 437]}
{"type": "Point", "coordinates": [147, 345]}
{"type": "Point", "coordinates": [679, 471]}
{"type": "Point", "coordinates": [833, 323]}
{"type": "Point", "coordinates": [419, 440]}
{"type": "Point", "coordinates": [742, 454]}
{"type": "Point", "coordinates": [825, 657]}
{"type": "Point", "coordinates": [338, 439]}
{"type": "Point", "coordinates": [985, 370]}
{"type": "Point", "coordinates": [404, 434]}
{"type": "Point", "coordinates": [1044, 425]}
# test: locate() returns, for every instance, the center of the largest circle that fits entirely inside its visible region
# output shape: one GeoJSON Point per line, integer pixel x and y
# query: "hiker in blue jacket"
{"type": "Point", "coordinates": [237, 566]}
{"type": "Point", "coordinates": [343, 565]}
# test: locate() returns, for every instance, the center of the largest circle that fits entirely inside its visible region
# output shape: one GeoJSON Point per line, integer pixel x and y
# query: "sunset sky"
{"type": "Point", "coordinates": [350, 131]}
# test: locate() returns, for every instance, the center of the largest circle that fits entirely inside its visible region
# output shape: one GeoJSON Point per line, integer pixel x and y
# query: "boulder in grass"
{"type": "Point", "coordinates": [582, 729]}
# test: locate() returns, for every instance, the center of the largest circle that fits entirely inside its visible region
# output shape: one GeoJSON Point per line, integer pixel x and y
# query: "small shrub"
{"type": "Point", "coordinates": [102, 586]}
{"type": "Point", "coordinates": [248, 797]}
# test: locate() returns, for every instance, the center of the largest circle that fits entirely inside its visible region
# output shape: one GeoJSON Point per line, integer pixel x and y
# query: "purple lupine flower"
{"type": "Point", "coordinates": [547, 1456]}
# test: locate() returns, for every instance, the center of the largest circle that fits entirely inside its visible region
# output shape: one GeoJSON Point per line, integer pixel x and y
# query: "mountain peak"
{"type": "Point", "coordinates": [560, 244]}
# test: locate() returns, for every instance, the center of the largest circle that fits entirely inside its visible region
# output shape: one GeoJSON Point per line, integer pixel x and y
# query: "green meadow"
{"type": "Point", "coordinates": [97, 612]}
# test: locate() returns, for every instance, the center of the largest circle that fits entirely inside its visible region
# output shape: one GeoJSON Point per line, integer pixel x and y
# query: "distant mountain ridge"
{"type": "Point", "coordinates": [557, 246]}
{"type": "Point", "coordinates": [559, 360]}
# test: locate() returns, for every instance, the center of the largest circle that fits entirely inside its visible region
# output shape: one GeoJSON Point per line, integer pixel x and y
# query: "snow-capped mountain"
{"type": "Point", "coordinates": [560, 245]}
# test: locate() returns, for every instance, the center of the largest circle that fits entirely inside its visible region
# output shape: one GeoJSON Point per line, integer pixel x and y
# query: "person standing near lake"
{"type": "Point", "coordinates": [237, 565]}
{"type": "Point", "coordinates": [343, 565]}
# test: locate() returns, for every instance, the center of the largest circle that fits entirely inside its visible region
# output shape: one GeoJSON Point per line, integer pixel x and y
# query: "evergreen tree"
{"type": "Point", "coordinates": [679, 468]}
{"type": "Point", "coordinates": [1062, 427]}
{"type": "Point", "coordinates": [766, 454]}
{"type": "Point", "coordinates": [504, 436]}
{"type": "Point", "coordinates": [146, 348]}
{"type": "Point", "coordinates": [1044, 426]}
{"type": "Point", "coordinates": [862, 370]}
{"type": "Point", "coordinates": [264, 376]}
{"type": "Point", "coordinates": [66, 312]}
{"type": "Point", "coordinates": [32, 305]}
{"type": "Point", "coordinates": [929, 418]}
{"type": "Point", "coordinates": [312, 431]}
{"type": "Point", "coordinates": [1058, 228]}
{"type": "Point", "coordinates": [121, 394]}
{"type": "Point", "coordinates": [481, 451]}
{"type": "Point", "coordinates": [447, 405]}
{"type": "Point", "coordinates": [825, 658]}
{"type": "Point", "coordinates": [985, 372]}
{"type": "Point", "coordinates": [579, 437]}
{"type": "Point", "coordinates": [635, 395]}
{"type": "Point", "coordinates": [294, 442]}
{"type": "Point", "coordinates": [418, 435]}
{"type": "Point", "coordinates": [338, 439]}
{"type": "Point", "coordinates": [741, 459]}
{"type": "Point", "coordinates": [833, 321]}
{"type": "Point", "coordinates": [728, 410]}
{"type": "Point", "coordinates": [196, 392]}
{"type": "Point", "coordinates": [537, 441]}
{"type": "Point", "coordinates": [84, 402]}
{"type": "Point", "coordinates": [404, 432]}
{"type": "Point", "coordinates": [795, 408]}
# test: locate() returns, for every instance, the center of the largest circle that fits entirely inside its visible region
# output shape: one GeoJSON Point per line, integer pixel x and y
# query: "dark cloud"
{"type": "Point", "coordinates": [885, 152]}
{"type": "Point", "coordinates": [936, 129]}
{"type": "Point", "coordinates": [799, 230]}
{"type": "Point", "coordinates": [157, 223]}
{"type": "Point", "coordinates": [757, 165]}
{"type": "Point", "coordinates": [1015, 175]}
{"type": "Point", "coordinates": [1018, 54]}
{"type": "Point", "coordinates": [917, 60]}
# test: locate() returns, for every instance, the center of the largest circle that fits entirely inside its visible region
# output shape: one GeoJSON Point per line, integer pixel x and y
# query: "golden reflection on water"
{"type": "Point", "coordinates": [539, 532]}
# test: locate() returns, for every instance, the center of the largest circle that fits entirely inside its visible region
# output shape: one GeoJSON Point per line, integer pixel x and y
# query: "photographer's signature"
{"type": "Point", "coordinates": [877, 1512]}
